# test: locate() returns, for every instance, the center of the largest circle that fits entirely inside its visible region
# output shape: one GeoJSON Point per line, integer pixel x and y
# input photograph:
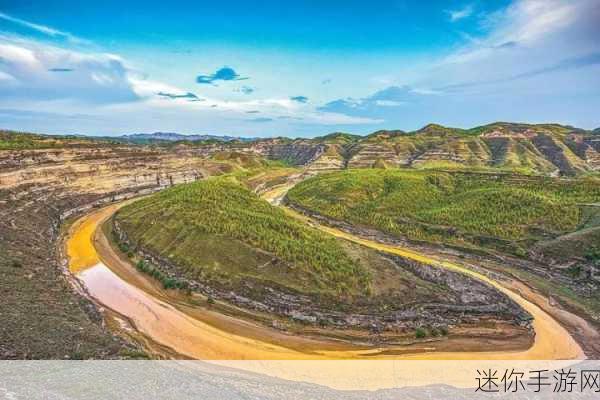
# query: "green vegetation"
{"type": "Point", "coordinates": [10, 140]}
{"type": "Point", "coordinates": [593, 256]}
{"type": "Point", "coordinates": [219, 229]}
{"type": "Point", "coordinates": [521, 148]}
{"type": "Point", "coordinates": [338, 138]}
{"type": "Point", "coordinates": [420, 333]}
{"type": "Point", "coordinates": [243, 160]}
{"type": "Point", "coordinates": [473, 209]}
{"type": "Point", "coordinates": [167, 282]}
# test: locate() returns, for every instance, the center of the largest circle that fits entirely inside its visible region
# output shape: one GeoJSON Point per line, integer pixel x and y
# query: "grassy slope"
{"type": "Point", "coordinates": [222, 230]}
{"type": "Point", "coordinates": [21, 141]}
{"type": "Point", "coordinates": [453, 208]}
{"type": "Point", "coordinates": [11, 140]}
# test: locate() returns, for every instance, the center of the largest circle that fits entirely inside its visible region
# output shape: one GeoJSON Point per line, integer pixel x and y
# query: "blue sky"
{"type": "Point", "coordinates": [300, 68]}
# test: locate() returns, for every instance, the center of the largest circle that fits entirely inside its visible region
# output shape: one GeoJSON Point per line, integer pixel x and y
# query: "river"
{"type": "Point", "coordinates": [169, 324]}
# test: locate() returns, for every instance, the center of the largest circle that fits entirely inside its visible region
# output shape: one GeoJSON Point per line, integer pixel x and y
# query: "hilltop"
{"type": "Point", "coordinates": [542, 149]}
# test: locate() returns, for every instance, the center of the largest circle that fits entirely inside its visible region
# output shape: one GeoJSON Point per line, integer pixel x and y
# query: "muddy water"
{"type": "Point", "coordinates": [552, 341]}
{"type": "Point", "coordinates": [162, 317]}
{"type": "Point", "coordinates": [190, 332]}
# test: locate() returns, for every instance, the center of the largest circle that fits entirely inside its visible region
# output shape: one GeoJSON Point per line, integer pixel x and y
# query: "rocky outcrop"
{"type": "Point", "coordinates": [548, 149]}
{"type": "Point", "coordinates": [297, 152]}
{"type": "Point", "coordinates": [555, 153]}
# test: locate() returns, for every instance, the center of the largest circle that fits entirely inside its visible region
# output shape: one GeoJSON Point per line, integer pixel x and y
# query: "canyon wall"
{"type": "Point", "coordinates": [42, 315]}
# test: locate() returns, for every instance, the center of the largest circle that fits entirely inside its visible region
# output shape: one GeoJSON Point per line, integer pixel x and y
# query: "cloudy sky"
{"type": "Point", "coordinates": [298, 68]}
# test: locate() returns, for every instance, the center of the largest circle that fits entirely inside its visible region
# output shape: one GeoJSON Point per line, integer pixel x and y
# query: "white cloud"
{"type": "Point", "coordinates": [528, 35]}
{"type": "Point", "coordinates": [389, 103]}
{"type": "Point", "coordinates": [46, 30]}
{"type": "Point", "coordinates": [539, 60]}
{"type": "Point", "coordinates": [7, 78]}
{"type": "Point", "coordinates": [456, 15]}
{"type": "Point", "coordinates": [41, 71]}
{"type": "Point", "coordinates": [44, 77]}
{"type": "Point", "coordinates": [529, 20]}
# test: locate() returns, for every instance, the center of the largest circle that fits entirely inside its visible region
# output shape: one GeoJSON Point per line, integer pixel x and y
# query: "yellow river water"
{"type": "Point", "coordinates": [164, 322]}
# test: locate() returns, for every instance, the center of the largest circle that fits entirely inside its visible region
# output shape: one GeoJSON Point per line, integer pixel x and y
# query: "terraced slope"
{"type": "Point", "coordinates": [543, 149]}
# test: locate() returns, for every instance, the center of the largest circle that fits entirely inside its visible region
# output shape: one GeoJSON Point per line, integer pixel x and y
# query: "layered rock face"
{"type": "Point", "coordinates": [548, 149]}
{"type": "Point", "coordinates": [101, 169]}
{"type": "Point", "coordinates": [543, 149]}
{"type": "Point", "coordinates": [366, 155]}
{"type": "Point", "coordinates": [42, 316]}
{"type": "Point", "coordinates": [298, 153]}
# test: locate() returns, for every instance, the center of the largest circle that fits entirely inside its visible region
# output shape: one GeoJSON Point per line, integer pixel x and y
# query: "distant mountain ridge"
{"type": "Point", "coordinates": [544, 149]}
{"type": "Point", "coordinates": [175, 137]}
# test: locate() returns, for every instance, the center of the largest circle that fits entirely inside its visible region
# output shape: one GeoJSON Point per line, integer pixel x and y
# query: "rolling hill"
{"type": "Point", "coordinates": [532, 149]}
{"type": "Point", "coordinates": [501, 211]}
{"type": "Point", "coordinates": [540, 149]}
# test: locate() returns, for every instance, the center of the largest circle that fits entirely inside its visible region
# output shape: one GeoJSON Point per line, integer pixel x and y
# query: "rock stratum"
{"type": "Point", "coordinates": [42, 314]}
{"type": "Point", "coordinates": [539, 149]}
{"type": "Point", "coordinates": [547, 149]}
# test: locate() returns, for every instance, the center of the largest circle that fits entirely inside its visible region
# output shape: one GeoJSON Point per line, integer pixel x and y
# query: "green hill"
{"type": "Point", "coordinates": [533, 149]}
{"type": "Point", "coordinates": [224, 232]}
{"type": "Point", "coordinates": [219, 238]}
{"type": "Point", "coordinates": [12, 140]}
{"type": "Point", "coordinates": [508, 212]}
{"type": "Point", "coordinates": [337, 138]}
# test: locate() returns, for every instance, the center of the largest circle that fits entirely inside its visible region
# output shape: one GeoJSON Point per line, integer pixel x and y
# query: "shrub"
{"type": "Point", "coordinates": [520, 252]}
{"type": "Point", "coordinates": [420, 333]}
{"type": "Point", "coordinates": [592, 255]}
{"type": "Point", "coordinates": [574, 271]}
{"type": "Point", "coordinates": [169, 283]}
{"type": "Point", "coordinates": [124, 247]}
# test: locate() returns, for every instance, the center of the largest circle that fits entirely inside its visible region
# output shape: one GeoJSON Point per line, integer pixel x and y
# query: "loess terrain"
{"type": "Point", "coordinates": [515, 216]}
{"type": "Point", "coordinates": [220, 238]}
{"type": "Point", "coordinates": [210, 223]}
{"type": "Point", "coordinates": [484, 210]}
{"type": "Point", "coordinates": [41, 189]}
{"type": "Point", "coordinates": [542, 230]}
{"type": "Point", "coordinates": [532, 149]}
